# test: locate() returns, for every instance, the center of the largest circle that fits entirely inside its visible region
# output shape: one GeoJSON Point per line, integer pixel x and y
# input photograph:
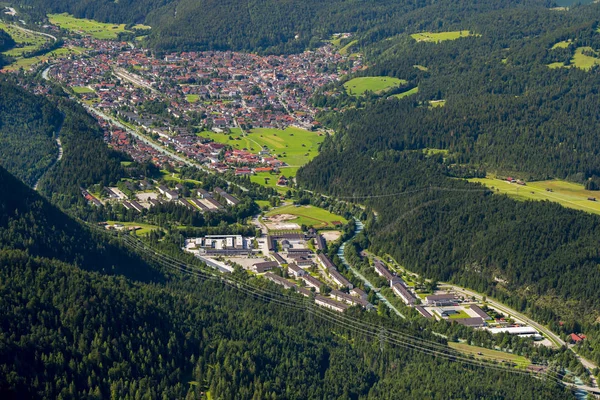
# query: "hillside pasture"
{"type": "Point", "coordinates": [375, 84]}
{"type": "Point", "coordinates": [26, 41]}
{"type": "Point", "coordinates": [95, 29]}
{"type": "Point", "coordinates": [441, 36]}
{"type": "Point", "coordinates": [407, 93]}
{"type": "Point", "coordinates": [309, 215]}
{"type": "Point", "coordinates": [567, 194]}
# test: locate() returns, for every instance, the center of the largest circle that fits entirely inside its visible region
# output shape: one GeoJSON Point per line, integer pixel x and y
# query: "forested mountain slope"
{"type": "Point", "coordinates": [271, 26]}
{"type": "Point", "coordinates": [70, 333]}
{"type": "Point", "coordinates": [28, 127]}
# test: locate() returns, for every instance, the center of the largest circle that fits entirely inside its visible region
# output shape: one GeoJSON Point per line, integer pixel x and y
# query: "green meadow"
{"type": "Point", "coordinates": [82, 89]}
{"type": "Point", "coordinates": [580, 60]}
{"type": "Point", "coordinates": [440, 36]}
{"type": "Point", "coordinates": [310, 216]}
{"type": "Point", "coordinates": [98, 30]}
{"type": "Point", "coordinates": [294, 146]}
{"type": "Point", "coordinates": [26, 41]}
{"type": "Point", "coordinates": [375, 84]}
{"type": "Point", "coordinates": [407, 93]}
{"type": "Point", "coordinates": [567, 194]}
{"type": "Point", "coordinates": [344, 50]}
{"type": "Point", "coordinates": [488, 354]}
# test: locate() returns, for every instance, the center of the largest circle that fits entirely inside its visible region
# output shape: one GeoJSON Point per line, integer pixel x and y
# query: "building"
{"type": "Point", "coordinates": [295, 270]}
{"type": "Point", "coordinates": [382, 271]}
{"type": "Point", "coordinates": [423, 312]}
{"type": "Point", "coordinates": [278, 258]}
{"type": "Point", "coordinates": [331, 304]}
{"type": "Point", "coordinates": [480, 312]}
{"type": "Point", "coordinates": [359, 293]}
{"type": "Point", "coordinates": [407, 297]}
{"type": "Point", "coordinates": [339, 279]}
{"type": "Point", "coordinates": [440, 300]}
{"type": "Point", "coordinates": [346, 298]}
{"type": "Point", "coordinates": [515, 330]}
{"type": "Point", "coordinates": [320, 242]}
{"type": "Point", "coordinates": [325, 261]}
{"type": "Point", "coordinates": [261, 267]}
{"type": "Point", "coordinates": [279, 280]}
{"type": "Point", "coordinates": [312, 282]}
{"type": "Point", "coordinates": [474, 322]}
{"type": "Point", "coordinates": [232, 201]}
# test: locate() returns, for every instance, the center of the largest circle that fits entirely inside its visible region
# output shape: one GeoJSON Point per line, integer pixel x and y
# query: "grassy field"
{"type": "Point", "coordinates": [461, 315]}
{"type": "Point", "coordinates": [421, 68]}
{"type": "Point", "coordinates": [437, 103]}
{"type": "Point", "coordinates": [26, 41]}
{"type": "Point", "coordinates": [270, 180]}
{"type": "Point", "coordinates": [82, 89]}
{"type": "Point", "coordinates": [309, 216]}
{"type": "Point", "coordinates": [561, 45]}
{"type": "Point", "coordinates": [146, 228]}
{"type": "Point", "coordinates": [344, 50]}
{"type": "Point", "coordinates": [98, 30]}
{"type": "Point", "coordinates": [192, 98]}
{"type": "Point", "coordinates": [579, 59]}
{"type": "Point", "coordinates": [441, 36]}
{"type": "Point", "coordinates": [375, 84]}
{"type": "Point", "coordinates": [491, 355]}
{"type": "Point", "coordinates": [294, 146]}
{"type": "Point", "coordinates": [567, 194]}
{"type": "Point", "coordinates": [407, 93]}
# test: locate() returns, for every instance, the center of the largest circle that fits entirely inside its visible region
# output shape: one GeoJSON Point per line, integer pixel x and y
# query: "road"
{"type": "Point", "coordinates": [381, 297]}
{"type": "Point", "coordinates": [60, 155]}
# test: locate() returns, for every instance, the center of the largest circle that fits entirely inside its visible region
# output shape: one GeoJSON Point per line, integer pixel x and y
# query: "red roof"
{"type": "Point", "coordinates": [577, 338]}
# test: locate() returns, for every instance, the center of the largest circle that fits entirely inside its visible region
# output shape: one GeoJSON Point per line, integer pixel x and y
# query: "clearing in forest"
{"type": "Point", "coordinates": [567, 194]}
{"type": "Point", "coordinates": [402, 95]}
{"type": "Point", "coordinates": [441, 36]}
{"type": "Point", "coordinates": [26, 42]}
{"type": "Point", "coordinates": [375, 84]}
{"type": "Point", "coordinates": [488, 354]}
{"type": "Point", "coordinates": [95, 29]}
{"type": "Point", "coordinates": [584, 58]}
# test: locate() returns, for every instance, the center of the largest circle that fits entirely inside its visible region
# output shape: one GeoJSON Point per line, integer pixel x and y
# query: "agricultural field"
{"type": "Point", "coordinates": [27, 63]}
{"type": "Point", "coordinates": [407, 93]}
{"type": "Point", "coordinates": [441, 36]}
{"type": "Point", "coordinates": [26, 41]}
{"type": "Point", "coordinates": [294, 146]}
{"type": "Point", "coordinates": [95, 29]}
{"type": "Point", "coordinates": [308, 215]}
{"type": "Point", "coordinates": [567, 194]}
{"type": "Point", "coordinates": [375, 84]}
{"type": "Point", "coordinates": [490, 355]}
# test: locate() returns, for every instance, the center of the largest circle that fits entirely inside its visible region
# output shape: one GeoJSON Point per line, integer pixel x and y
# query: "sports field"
{"type": "Point", "coordinates": [82, 89]}
{"type": "Point", "coordinates": [309, 216]}
{"type": "Point", "coordinates": [95, 29]}
{"type": "Point", "coordinates": [407, 93]}
{"type": "Point", "coordinates": [145, 228]}
{"type": "Point", "coordinates": [294, 146]}
{"type": "Point", "coordinates": [487, 354]}
{"type": "Point", "coordinates": [192, 98]}
{"type": "Point", "coordinates": [375, 84]}
{"type": "Point", "coordinates": [567, 194]}
{"type": "Point", "coordinates": [440, 36]}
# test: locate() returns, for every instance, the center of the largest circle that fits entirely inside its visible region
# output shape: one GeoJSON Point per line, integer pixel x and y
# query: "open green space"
{"type": "Point", "coordinates": [421, 68]}
{"type": "Point", "coordinates": [145, 228]}
{"type": "Point", "coordinates": [309, 216]}
{"type": "Point", "coordinates": [268, 179]}
{"type": "Point", "coordinates": [26, 41]}
{"type": "Point", "coordinates": [344, 50]}
{"type": "Point", "coordinates": [407, 93]}
{"type": "Point", "coordinates": [294, 146]}
{"type": "Point", "coordinates": [567, 194]}
{"type": "Point", "coordinates": [175, 177]}
{"type": "Point", "coordinates": [98, 30]}
{"type": "Point", "coordinates": [488, 354]}
{"type": "Point", "coordinates": [82, 89]}
{"type": "Point", "coordinates": [584, 58]}
{"type": "Point", "coordinates": [375, 84]}
{"type": "Point", "coordinates": [437, 103]}
{"type": "Point", "coordinates": [561, 45]}
{"type": "Point", "coordinates": [440, 36]}
{"type": "Point", "coordinates": [461, 315]}
{"type": "Point", "coordinates": [192, 98]}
